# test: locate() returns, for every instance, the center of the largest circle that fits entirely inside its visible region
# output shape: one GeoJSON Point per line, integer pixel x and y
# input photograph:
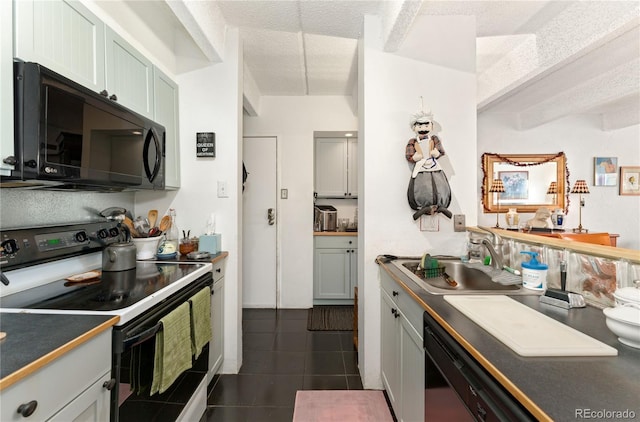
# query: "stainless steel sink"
{"type": "Point", "coordinates": [463, 278]}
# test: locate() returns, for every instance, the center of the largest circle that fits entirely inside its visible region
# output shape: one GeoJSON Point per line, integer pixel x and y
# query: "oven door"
{"type": "Point", "coordinates": [136, 341]}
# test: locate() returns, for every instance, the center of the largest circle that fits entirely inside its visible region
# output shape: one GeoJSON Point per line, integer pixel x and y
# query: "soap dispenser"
{"type": "Point", "coordinates": [534, 273]}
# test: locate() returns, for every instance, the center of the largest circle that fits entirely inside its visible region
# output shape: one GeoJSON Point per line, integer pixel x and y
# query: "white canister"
{"type": "Point", "coordinates": [534, 273]}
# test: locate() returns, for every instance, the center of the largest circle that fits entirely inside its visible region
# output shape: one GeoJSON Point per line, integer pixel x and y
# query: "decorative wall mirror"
{"type": "Point", "coordinates": [526, 179]}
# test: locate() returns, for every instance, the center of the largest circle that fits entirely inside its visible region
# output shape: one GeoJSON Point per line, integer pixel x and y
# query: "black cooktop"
{"type": "Point", "coordinates": [112, 291]}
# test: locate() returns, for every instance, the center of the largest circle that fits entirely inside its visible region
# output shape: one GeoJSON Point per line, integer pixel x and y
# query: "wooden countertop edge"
{"type": "Point", "coordinates": [56, 353]}
{"type": "Point", "coordinates": [580, 247]}
{"type": "Point", "coordinates": [502, 379]}
{"type": "Point", "coordinates": [335, 233]}
{"type": "Point", "coordinates": [222, 255]}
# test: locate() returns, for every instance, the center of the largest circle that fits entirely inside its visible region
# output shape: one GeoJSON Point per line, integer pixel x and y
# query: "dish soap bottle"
{"type": "Point", "coordinates": [534, 273]}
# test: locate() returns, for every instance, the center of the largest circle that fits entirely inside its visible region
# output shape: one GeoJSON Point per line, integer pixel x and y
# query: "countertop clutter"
{"type": "Point", "coordinates": [550, 388]}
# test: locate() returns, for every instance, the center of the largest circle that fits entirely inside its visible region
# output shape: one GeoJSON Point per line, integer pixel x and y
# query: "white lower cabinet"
{"type": "Point", "coordinates": [216, 346]}
{"type": "Point", "coordinates": [335, 269]}
{"type": "Point", "coordinates": [74, 387]}
{"type": "Point", "coordinates": [402, 353]}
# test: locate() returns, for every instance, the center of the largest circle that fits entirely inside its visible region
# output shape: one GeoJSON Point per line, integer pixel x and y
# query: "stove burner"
{"type": "Point", "coordinates": [111, 297]}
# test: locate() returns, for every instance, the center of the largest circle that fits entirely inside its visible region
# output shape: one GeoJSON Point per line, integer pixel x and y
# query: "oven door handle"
{"type": "Point", "coordinates": [142, 337]}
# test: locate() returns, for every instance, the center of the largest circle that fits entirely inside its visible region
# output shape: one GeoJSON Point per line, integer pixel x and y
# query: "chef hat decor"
{"type": "Point", "coordinates": [428, 192]}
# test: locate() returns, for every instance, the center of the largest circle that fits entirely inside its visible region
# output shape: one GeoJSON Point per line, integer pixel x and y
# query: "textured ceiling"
{"type": "Point", "coordinates": [542, 59]}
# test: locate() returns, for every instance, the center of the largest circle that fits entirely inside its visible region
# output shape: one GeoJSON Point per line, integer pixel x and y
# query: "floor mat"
{"type": "Point", "coordinates": [341, 405]}
{"type": "Point", "coordinates": [330, 318]}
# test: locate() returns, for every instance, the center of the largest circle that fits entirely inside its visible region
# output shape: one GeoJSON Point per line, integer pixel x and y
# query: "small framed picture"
{"type": "Point", "coordinates": [605, 171]}
{"type": "Point", "coordinates": [629, 180]}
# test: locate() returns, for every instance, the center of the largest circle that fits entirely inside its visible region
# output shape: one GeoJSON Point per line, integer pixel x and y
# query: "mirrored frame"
{"type": "Point", "coordinates": [529, 177]}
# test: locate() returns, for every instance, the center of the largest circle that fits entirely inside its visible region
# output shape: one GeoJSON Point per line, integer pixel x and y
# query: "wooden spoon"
{"type": "Point", "coordinates": [152, 216]}
{"type": "Point", "coordinates": [129, 223]}
{"type": "Point", "coordinates": [165, 223]}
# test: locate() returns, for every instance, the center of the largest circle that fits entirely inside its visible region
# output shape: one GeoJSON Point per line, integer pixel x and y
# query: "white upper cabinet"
{"type": "Point", "coordinates": [166, 113]}
{"type": "Point", "coordinates": [336, 168]}
{"type": "Point", "coordinates": [129, 75]}
{"type": "Point", "coordinates": [63, 36]}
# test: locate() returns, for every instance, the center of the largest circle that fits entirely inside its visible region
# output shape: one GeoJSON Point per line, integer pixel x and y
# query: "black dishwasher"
{"type": "Point", "coordinates": [458, 388]}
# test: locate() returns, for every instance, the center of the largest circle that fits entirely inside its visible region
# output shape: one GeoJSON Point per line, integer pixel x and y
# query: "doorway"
{"type": "Point", "coordinates": [260, 222]}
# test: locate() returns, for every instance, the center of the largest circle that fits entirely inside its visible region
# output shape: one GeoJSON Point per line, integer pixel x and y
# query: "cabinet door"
{"type": "Point", "coordinates": [63, 36]}
{"type": "Point", "coordinates": [90, 406]}
{"type": "Point", "coordinates": [389, 353]}
{"type": "Point", "coordinates": [353, 270]}
{"type": "Point", "coordinates": [352, 168]}
{"type": "Point", "coordinates": [166, 113]}
{"type": "Point", "coordinates": [129, 75]}
{"type": "Point", "coordinates": [216, 346]}
{"type": "Point", "coordinates": [331, 167]}
{"type": "Point", "coordinates": [6, 87]}
{"type": "Point", "coordinates": [412, 362]}
{"type": "Point", "coordinates": [331, 274]}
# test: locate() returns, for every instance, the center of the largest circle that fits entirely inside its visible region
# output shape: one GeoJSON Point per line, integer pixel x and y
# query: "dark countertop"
{"type": "Point", "coordinates": [34, 340]}
{"type": "Point", "coordinates": [551, 388]}
{"type": "Point", "coordinates": [335, 233]}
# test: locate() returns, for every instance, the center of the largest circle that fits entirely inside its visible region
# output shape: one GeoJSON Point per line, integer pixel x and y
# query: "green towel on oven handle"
{"type": "Point", "coordinates": [173, 353]}
{"type": "Point", "coordinates": [200, 320]}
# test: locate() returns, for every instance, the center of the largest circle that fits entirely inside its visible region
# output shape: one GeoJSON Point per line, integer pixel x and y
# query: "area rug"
{"type": "Point", "coordinates": [330, 318]}
{"type": "Point", "coordinates": [341, 406]}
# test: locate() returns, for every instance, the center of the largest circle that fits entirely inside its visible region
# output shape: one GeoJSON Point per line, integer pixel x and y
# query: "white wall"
{"type": "Point", "coordinates": [293, 120]}
{"type": "Point", "coordinates": [581, 139]}
{"type": "Point", "coordinates": [210, 101]}
{"type": "Point", "coordinates": [390, 87]}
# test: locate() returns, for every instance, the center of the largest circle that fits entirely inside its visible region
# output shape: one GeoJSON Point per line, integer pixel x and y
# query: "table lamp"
{"type": "Point", "coordinates": [553, 190]}
{"type": "Point", "coordinates": [497, 187]}
{"type": "Point", "coordinates": [580, 188]}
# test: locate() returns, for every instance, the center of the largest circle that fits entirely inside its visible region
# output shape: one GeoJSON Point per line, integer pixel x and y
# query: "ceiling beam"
{"type": "Point", "coordinates": [609, 87]}
{"type": "Point", "coordinates": [204, 23]}
{"type": "Point", "coordinates": [621, 118]}
{"type": "Point", "coordinates": [397, 18]}
{"type": "Point", "coordinates": [250, 93]}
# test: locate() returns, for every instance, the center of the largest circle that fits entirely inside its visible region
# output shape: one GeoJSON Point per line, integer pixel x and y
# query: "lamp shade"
{"type": "Point", "coordinates": [580, 187]}
{"type": "Point", "coordinates": [496, 186]}
{"type": "Point", "coordinates": [553, 188]}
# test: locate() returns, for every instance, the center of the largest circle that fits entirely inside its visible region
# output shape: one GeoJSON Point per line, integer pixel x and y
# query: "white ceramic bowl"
{"type": "Point", "coordinates": [624, 321]}
{"type": "Point", "coordinates": [146, 247]}
{"type": "Point", "coordinates": [626, 295]}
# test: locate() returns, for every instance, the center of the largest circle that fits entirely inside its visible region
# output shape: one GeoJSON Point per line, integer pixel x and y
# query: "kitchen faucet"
{"type": "Point", "coordinates": [496, 257]}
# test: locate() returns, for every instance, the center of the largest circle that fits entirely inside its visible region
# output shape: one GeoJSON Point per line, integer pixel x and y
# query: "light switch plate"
{"type": "Point", "coordinates": [222, 189]}
{"type": "Point", "coordinates": [284, 193]}
{"type": "Point", "coordinates": [459, 224]}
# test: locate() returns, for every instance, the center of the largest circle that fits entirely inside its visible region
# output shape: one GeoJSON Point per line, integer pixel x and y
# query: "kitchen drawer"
{"type": "Point", "coordinates": [59, 382]}
{"type": "Point", "coordinates": [405, 302]}
{"type": "Point", "coordinates": [347, 242]}
{"type": "Point", "coordinates": [218, 270]}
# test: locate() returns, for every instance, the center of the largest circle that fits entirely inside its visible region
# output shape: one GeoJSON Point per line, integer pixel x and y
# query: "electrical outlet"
{"type": "Point", "coordinates": [222, 189]}
{"type": "Point", "coordinates": [284, 193]}
{"type": "Point", "coordinates": [429, 223]}
{"type": "Point", "coordinates": [459, 224]}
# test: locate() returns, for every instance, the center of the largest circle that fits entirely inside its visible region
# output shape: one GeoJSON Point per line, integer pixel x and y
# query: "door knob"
{"type": "Point", "coordinates": [271, 216]}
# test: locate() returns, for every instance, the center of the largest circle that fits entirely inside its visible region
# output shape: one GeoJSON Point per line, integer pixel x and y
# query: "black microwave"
{"type": "Point", "coordinates": [67, 136]}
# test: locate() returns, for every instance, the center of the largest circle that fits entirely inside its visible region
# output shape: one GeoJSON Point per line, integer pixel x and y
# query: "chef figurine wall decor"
{"type": "Point", "coordinates": [429, 192]}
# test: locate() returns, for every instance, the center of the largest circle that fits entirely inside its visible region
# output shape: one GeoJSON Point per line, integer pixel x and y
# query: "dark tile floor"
{"type": "Point", "coordinates": [280, 357]}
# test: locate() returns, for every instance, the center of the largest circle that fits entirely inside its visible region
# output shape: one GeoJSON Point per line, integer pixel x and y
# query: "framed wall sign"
{"type": "Point", "coordinates": [629, 180]}
{"type": "Point", "coordinates": [205, 144]}
{"type": "Point", "coordinates": [605, 171]}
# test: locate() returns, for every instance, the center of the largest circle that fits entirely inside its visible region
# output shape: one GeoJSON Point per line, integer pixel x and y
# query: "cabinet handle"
{"type": "Point", "coordinates": [351, 241]}
{"type": "Point", "coordinates": [395, 293]}
{"type": "Point", "coordinates": [27, 409]}
{"type": "Point", "coordinates": [113, 97]}
{"type": "Point", "coordinates": [218, 270]}
{"type": "Point", "coordinates": [109, 384]}
{"type": "Point", "coordinates": [11, 160]}
{"type": "Point", "coordinates": [104, 93]}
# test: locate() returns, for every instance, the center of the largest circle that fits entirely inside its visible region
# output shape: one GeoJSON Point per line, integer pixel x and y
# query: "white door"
{"type": "Point", "coordinates": [260, 288]}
